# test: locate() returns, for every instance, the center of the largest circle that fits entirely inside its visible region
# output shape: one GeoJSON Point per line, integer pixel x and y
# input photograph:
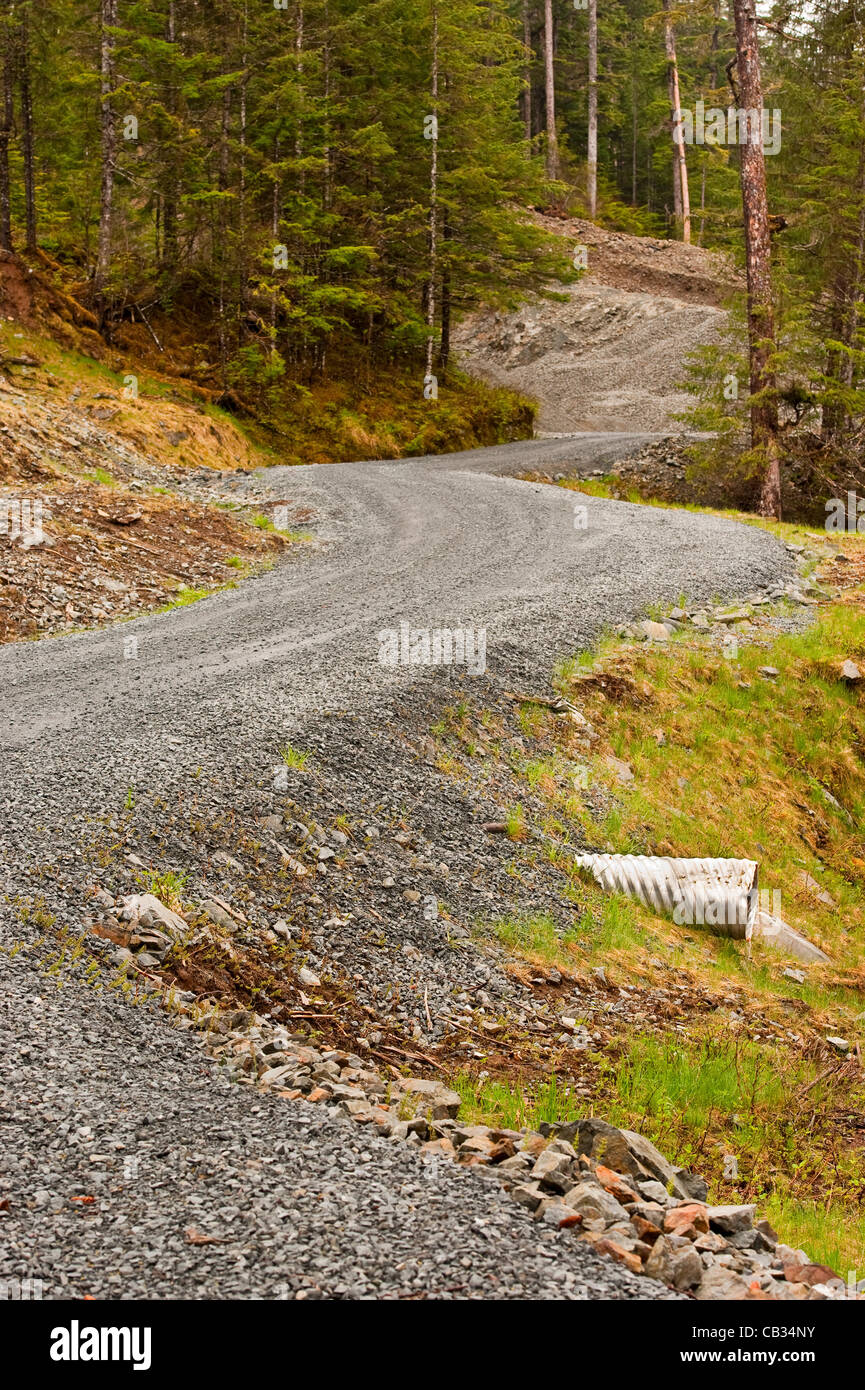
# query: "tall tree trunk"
{"type": "Point", "coordinates": [275, 209]}
{"type": "Point", "coordinates": [755, 210]}
{"type": "Point", "coordinates": [433, 198]}
{"type": "Point", "coordinates": [593, 110]}
{"type": "Point", "coordinates": [108, 142]}
{"type": "Point", "coordinates": [6, 121]}
{"type": "Point", "coordinates": [677, 196]}
{"type": "Point", "coordinates": [445, 343]}
{"type": "Point", "coordinates": [527, 73]}
{"type": "Point", "coordinates": [713, 49]}
{"type": "Point", "coordinates": [846, 294]}
{"type": "Point", "coordinates": [27, 143]}
{"type": "Point", "coordinates": [833, 414]}
{"type": "Point", "coordinates": [298, 49]}
{"type": "Point", "coordinates": [680, 166]}
{"type": "Point", "coordinates": [327, 152]}
{"type": "Point", "coordinates": [221, 221]}
{"type": "Point", "coordinates": [243, 288]}
{"type": "Point", "coordinates": [550, 92]}
{"type": "Point", "coordinates": [170, 198]}
{"type": "Point", "coordinates": [702, 204]}
{"type": "Point", "coordinates": [858, 271]}
{"type": "Point", "coordinates": [634, 136]}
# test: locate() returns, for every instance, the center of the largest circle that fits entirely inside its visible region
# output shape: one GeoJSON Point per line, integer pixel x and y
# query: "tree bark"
{"type": "Point", "coordinates": [550, 92]}
{"type": "Point", "coordinates": [327, 152]}
{"type": "Point", "coordinates": [108, 143]}
{"type": "Point", "coordinates": [433, 198]}
{"type": "Point", "coordinates": [682, 203]}
{"type": "Point", "coordinates": [243, 289]}
{"type": "Point", "coordinates": [634, 136]}
{"type": "Point", "coordinates": [6, 122]}
{"type": "Point", "coordinates": [755, 210]}
{"type": "Point", "coordinates": [846, 294]}
{"type": "Point", "coordinates": [592, 160]}
{"type": "Point", "coordinates": [527, 73]}
{"type": "Point", "coordinates": [170, 194]}
{"type": "Point", "coordinates": [445, 342]}
{"type": "Point", "coordinates": [298, 49]}
{"type": "Point", "coordinates": [27, 143]}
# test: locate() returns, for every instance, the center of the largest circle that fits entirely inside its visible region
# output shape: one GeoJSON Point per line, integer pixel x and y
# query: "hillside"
{"type": "Point", "coordinates": [610, 354]}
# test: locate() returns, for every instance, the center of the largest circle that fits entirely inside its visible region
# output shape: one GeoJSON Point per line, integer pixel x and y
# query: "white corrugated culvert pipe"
{"type": "Point", "coordinates": [721, 894]}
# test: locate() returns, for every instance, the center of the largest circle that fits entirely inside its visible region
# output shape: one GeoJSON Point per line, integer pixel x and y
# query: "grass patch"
{"type": "Point", "coordinates": [787, 754]}
{"type": "Point", "coordinates": [726, 762]}
{"type": "Point", "coordinates": [100, 475]}
{"type": "Point", "coordinates": [184, 597]}
{"type": "Point", "coordinates": [293, 757]}
{"type": "Point", "coordinates": [168, 886]}
{"type": "Point", "coordinates": [760, 1123]}
{"type": "Point", "coordinates": [506, 1105]}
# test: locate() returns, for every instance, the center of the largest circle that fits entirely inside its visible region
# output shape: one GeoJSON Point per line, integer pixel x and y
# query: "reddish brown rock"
{"type": "Point", "coordinates": [809, 1274]}
{"type": "Point", "coordinates": [616, 1184]}
{"type": "Point", "coordinates": [605, 1246]}
{"type": "Point", "coordinates": [645, 1230]}
{"type": "Point", "coordinates": [689, 1220]}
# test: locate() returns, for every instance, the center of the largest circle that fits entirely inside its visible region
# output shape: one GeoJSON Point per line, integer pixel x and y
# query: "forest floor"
{"type": "Point", "coordinates": [158, 385]}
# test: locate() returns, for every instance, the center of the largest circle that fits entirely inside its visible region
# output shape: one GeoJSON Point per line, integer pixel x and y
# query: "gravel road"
{"type": "Point", "coordinates": [204, 701]}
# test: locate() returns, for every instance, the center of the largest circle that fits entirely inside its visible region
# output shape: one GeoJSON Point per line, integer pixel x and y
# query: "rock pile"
{"type": "Point", "coordinates": [613, 1188]}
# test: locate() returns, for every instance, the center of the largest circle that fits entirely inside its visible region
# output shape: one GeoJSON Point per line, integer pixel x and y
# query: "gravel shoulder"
{"type": "Point", "coordinates": [133, 1171]}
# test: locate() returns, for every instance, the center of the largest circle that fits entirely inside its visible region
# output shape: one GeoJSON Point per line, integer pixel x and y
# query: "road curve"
{"type": "Point", "coordinates": [438, 542]}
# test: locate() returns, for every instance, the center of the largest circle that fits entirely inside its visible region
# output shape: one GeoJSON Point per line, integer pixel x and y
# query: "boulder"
{"type": "Point", "coordinates": [721, 1284]}
{"type": "Point", "coordinates": [729, 1221]}
{"type": "Point", "coordinates": [688, 1219]}
{"type": "Point", "coordinates": [681, 1269]}
{"type": "Point", "coordinates": [150, 912]}
{"type": "Point", "coordinates": [432, 1098]}
{"type": "Point", "coordinates": [554, 1170]}
{"type": "Point", "coordinates": [627, 1152]}
{"type": "Point", "coordinates": [593, 1203]}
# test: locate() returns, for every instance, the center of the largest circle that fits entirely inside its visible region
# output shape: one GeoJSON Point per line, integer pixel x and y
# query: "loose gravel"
{"type": "Point", "coordinates": [133, 1170]}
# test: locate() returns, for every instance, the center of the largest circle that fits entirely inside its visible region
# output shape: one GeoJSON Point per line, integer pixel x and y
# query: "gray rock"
{"type": "Point", "coordinates": [528, 1194]}
{"type": "Point", "coordinates": [432, 1098]}
{"type": "Point", "coordinates": [554, 1170]}
{"type": "Point", "coordinates": [730, 1220]}
{"type": "Point", "coordinates": [591, 1201]}
{"type": "Point", "coordinates": [627, 1152]}
{"type": "Point", "coordinates": [690, 1186]}
{"type": "Point", "coordinates": [218, 915]}
{"type": "Point", "coordinates": [655, 1191]}
{"type": "Point", "coordinates": [721, 1284]}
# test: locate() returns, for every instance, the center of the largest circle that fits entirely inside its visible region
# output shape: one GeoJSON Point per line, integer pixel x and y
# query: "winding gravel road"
{"type": "Point", "coordinates": [208, 693]}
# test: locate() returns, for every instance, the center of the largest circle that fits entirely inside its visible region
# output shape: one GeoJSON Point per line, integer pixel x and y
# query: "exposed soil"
{"type": "Point", "coordinates": [85, 536]}
{"type": "Point", "coordinates": [648, 265]}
